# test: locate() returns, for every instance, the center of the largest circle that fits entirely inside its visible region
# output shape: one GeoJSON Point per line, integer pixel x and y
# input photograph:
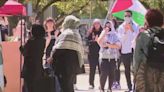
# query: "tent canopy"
{"type": "Point", "coordinates": [12, 8]}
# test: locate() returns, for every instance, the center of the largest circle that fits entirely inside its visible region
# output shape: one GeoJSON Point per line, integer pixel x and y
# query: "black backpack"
{"type": "Point", "coordinates": [156, 50]}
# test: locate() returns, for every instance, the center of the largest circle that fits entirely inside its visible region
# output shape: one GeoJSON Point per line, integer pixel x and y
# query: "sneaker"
{"type": "Point", "coordinates": [91, 87]}
{"type": "Point", "coordinates": [75, 87]}
{"type": "Point", "coordinates": [116, 85]}
{"type": "Point", "coordinates": [129, 91]}
{"type": "Point", "coordinates": [109, 90]}
{"type": "Point", "coordinates": [102, 91]}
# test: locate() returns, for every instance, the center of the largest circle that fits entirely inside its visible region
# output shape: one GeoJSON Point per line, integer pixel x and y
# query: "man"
{"type": "Point", "coordinates": [127, 31]}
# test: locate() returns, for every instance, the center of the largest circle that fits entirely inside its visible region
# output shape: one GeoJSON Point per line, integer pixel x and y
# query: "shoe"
{"type": "Point", "coordinates": [102, 91]}
{"type": "Point", "coordinates": [91, 87]}
{"type": "Point", "coordinates": [75, 87]}
{"type": "Point", "coordinates": [116, 85]}
{"type": "Point", "coordinates": [129, 91]}
{"type": "Point", "coordinates": [109, 90]}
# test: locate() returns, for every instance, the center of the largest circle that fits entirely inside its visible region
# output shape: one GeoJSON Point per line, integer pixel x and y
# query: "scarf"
{"type": "Point", "coordinates": [71, 39]}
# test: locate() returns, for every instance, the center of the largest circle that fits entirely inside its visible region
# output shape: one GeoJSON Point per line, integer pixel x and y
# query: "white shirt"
{"type": "Point", "coordinates": [126, 37]}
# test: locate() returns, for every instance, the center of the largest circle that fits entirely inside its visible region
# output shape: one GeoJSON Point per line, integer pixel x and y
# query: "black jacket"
{"type": "Point", "coordinates": [33, 52]}
{"type": "Point", "coordinates": [93, 45]}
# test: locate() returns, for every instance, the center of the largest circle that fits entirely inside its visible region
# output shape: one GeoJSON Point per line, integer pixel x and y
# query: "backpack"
{"type": "Point", "coordinates": [156, 49]}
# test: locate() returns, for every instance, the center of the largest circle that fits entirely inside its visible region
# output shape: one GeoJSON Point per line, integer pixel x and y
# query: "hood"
{"type": "Point", "coordinates": [71, 22]}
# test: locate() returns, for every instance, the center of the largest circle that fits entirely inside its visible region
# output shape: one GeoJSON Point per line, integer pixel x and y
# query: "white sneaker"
{"type": "Point", "coordinates": [91, 87]}
{"type": "Point", "coordinates": [109, 90]}
{"type": "Point", "coordinates": [75, 87]}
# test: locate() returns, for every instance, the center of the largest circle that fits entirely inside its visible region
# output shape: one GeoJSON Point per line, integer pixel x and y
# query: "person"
{"type": "Point", "coordinates": [4, 28]}
{"type": "Point", "coordinates": [21, 26]}
{"type": "Point", "coordinates": [67, 53]}
{"type": "Point", "coordinates": [116, 83]}
{"type": "Point", "coordinates": [93, 55]}
{"type": "Point", "coordinates": [33, 50]}
{"type": "Point", "coordinates": [51, 36]}
{"type": "Point", "coordinates": [148, 68]}
{"type": "Point", "coordinates": [109, 54]}
{"type": "Point", "coordinates": [127, 32]}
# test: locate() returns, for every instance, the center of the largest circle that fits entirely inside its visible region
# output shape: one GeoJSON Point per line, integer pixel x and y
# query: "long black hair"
{"type": "Point", "coordinates": [38, 31]}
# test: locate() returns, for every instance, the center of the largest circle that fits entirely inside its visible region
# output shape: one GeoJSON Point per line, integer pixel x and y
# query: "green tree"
{"type": "Point", "coordinates": [2, 2]}
{"type": "Point", "coordinates": [157, 4]}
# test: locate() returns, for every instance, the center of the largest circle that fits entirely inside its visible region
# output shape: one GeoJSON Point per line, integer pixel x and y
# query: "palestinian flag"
{"type": "Point", "coordinates": [135, 6]}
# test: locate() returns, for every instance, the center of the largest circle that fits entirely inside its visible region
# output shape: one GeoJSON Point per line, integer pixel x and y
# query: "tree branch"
{"type": "Point", "coordinates": [45, 7]}
{"type": "Point", "coordinates": [61, 18]}
{"type": "Point", "coordinates": [80, 8]}
{"type": "Point", "coordinates": [37, 5]}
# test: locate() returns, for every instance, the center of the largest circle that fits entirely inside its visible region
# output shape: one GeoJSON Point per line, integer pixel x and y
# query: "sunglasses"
{"type": "Point", "coordinates": [127, 15]}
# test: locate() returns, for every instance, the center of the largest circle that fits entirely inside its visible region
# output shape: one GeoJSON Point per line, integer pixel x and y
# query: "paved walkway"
{"type": "Point", "coordinates": [82, 83]}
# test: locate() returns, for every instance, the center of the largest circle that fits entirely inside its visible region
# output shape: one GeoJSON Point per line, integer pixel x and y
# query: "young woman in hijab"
{"type": "Point", "coordinates": [109, 54]}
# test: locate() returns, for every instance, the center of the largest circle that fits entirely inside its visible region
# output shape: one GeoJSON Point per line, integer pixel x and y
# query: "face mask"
{"type": "Point", "coordinates": [127, 19]}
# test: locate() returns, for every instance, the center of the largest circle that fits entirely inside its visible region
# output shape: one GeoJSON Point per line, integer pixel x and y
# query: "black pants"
{"type": "Point", "coordinates": [66, 82]}
{"type": "Point", "coordinates": [93, 63]}
{"type": "Point", "coordinates": [107, 70]}
{"type": "Point", "coordinates": [44, 85]}
{"type": "Point", "coordinates": [117, 71]}
{"type": "Point", "coordinates": [127, 61]}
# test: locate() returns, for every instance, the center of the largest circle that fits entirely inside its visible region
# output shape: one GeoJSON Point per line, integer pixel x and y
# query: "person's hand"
{"type": "Point", "coordinates": [128, 26]}
{"type": "Point", "coordinates": [90, 30]}
{"type": "Point", "coordinates": [50, 60]}
{"type": "Point", "coordinates": [96, 37]}
{"type": "Point", "coordinates": [106, 29]}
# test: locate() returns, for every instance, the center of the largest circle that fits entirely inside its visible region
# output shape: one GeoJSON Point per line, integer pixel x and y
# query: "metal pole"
{"type": "Point", "coordinates": [21, 42]}
{"type": "Point", "coordinates": [109, 15]}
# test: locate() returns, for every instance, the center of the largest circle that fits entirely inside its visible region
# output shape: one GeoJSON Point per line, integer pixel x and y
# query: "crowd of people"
{"type": "Point", "coordinates": [53, 58]}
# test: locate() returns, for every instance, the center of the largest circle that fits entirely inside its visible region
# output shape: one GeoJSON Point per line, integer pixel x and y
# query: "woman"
{"type": "Point", "coordinates": [33, 50]}
{"type": "Point", "coordinates": [109, 54]}
{"type": "Point", "coordinates": [93, 55]}
{"type": "Point", "coordinates": [51, 36]}
{"type": "Point", "coordinates": [67, 53]}
{"type": "Point", "coordinates": [17, 31]}
{"type": "Point", "coordinates": [148, 74]}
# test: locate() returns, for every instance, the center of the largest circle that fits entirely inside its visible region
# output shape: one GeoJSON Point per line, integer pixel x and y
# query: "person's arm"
{"type": "Point", "coordinates": [101, 38]}
{"type": "Point", "coordinates": [24, 48]}
{"type": "Point", "coordinates": [6, 21]}
{"type": "Point", "coordinates": [114, 46]}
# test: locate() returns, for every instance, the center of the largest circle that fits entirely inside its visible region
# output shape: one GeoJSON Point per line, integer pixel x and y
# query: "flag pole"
{"type": "Point", "coordinates": [110, 3]}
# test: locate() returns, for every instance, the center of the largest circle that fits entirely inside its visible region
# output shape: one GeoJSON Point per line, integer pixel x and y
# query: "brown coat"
{"type": "Point", "coordinates": [149, 80]}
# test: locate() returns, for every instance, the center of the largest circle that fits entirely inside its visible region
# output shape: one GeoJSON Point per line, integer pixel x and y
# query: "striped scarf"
{"type": "Point", "coordinates": [71, 39]}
